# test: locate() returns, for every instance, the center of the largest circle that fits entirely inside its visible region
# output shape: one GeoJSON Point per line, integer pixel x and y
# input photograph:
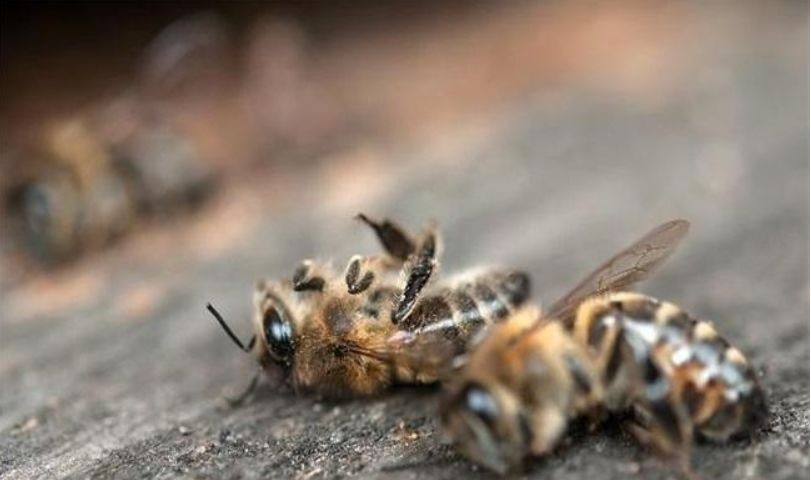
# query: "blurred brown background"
{"type": "Point", "coordinates": [543, 135]}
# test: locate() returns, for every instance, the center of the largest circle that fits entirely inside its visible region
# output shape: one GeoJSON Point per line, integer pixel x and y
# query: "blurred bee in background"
{"type": "Point", "coordinates": [89, 177]}
{"type": "Point", "coordinates": [358, 333]}
{"type": "Point", "coordinates": [598, 350]}
{"type": "Point", "coordinates": [70, 196]}
{"type": "Point", "coordinates": [80, 192]}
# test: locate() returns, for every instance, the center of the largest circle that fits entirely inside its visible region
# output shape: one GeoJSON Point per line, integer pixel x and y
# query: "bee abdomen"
{"type": "Point", "coordinates": [432, 316]}
{"type": "Point", "coordinates": [719, 390]}
{"type": "Point", "coordinates": [458, 313]}
{"type": "Point", "coordinates": [722, 393]}
{"type": "Point", "coordinates": [468, 315]}
{"type": "Point", "coordinates": [499, 293]}
{"type": "Point", "coordinates": [647, 318]}
{"type": "Point", "coordinates": [514, 287]}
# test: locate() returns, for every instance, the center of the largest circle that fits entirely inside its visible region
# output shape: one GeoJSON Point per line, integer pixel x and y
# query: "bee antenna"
{"type": "Point", "coordinates": [228, 330]}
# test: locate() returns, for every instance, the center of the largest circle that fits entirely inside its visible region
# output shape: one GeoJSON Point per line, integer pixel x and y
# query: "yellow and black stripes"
{"type": "Point", "coordinates": [652, 353]}
{"type": "Point", "coordinates": [458, 313]}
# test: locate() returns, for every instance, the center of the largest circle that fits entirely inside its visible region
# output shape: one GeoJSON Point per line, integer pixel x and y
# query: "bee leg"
{"type": "Point", "coordinates": [355, 282]}
{"type": "Point", "coordinates": [304, 278]}
{"type": "Point", "coordinates": [680, 460]}
{"type": "Point", "coordinates": [420, 268]}
{"type": "Point", "coordinates": [395, 241]}
{"type": "Point", "coordinates": [235, 401]}
{"type": "Point", "coordinates": [666, 427]}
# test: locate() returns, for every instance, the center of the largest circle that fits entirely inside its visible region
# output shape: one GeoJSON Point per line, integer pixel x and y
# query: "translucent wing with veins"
{"type": "Point", "coordinates": [632, 265]}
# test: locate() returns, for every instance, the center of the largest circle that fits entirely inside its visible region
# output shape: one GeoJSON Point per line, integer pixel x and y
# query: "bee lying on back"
{"type": "Point", "coordinates": [358, 333]}
{"type": "Point", "coordinates": [599, 351]}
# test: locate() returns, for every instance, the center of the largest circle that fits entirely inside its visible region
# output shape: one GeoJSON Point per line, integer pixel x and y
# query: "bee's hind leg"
{"type": "Point", "coordinates": [420, 268]}
{"type": "Point", "coordinates": [396, 242]}
{"type": "Point", "coordinates": [667, 430]}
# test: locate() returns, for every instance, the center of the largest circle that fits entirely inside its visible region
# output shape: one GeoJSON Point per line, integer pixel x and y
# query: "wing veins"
{"type": "Point", "coordinates": [646, 254]}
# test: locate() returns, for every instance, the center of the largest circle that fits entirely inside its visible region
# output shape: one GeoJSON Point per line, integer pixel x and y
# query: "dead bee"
{"type": "Point", "coordinates": [82, 181]}
{"type": "Point", "coordinates": [353, 334]}
{"type": "Point", "coordinates": [596, 350]}
{"type": "Point", "coordinates": [83, 190]}
{"type": "Point", "coordinates": [70, 197]}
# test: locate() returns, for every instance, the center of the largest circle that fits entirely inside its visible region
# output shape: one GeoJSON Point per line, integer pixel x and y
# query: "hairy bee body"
{"type": "Point", "coordinates": [600, 350]}
{"type": "Point", "coordinates": [83, 190]}
{"type": "Point", "coordinates": [385, 321]}
{"type": "Point", "coordinates": [652, 354]}
{"type": "Point", "coordinates": [519, 389]}
{"type": "Point", "coordinates": [525, 382]}
{"type": "Point", "coordinates": [330, 326]}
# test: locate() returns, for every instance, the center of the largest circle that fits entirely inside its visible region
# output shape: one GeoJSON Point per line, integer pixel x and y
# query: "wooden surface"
{"type": "Point", "coordinates": [112, 368]}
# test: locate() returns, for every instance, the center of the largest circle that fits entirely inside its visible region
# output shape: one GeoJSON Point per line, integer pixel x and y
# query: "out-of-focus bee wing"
{"type": "Point", "coordinates": [633, 264]}
{"type": "Point", "coordinates": [190, 49]}
{"type": "Point", "coordinates": [430, 357]}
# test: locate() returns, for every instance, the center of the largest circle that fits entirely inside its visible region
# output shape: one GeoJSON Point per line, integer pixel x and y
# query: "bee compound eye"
{"type": "Point", "coordinates": [278, 334]}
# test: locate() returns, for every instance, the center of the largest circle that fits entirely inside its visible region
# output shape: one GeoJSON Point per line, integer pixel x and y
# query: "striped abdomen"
{"type": "Point", "coordinates": [651, 351]}
{"type": "Point", "coordinates": [456, 313]}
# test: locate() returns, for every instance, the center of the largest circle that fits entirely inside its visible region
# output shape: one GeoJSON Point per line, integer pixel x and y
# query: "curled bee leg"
{"type": "Point", "coordinates": [420, 267]}
{"type": "Point", "coordinates": [396, 242]}
{"type": "Point", "coordinates": [358, 278]}
{"type": "Point", "coordinates": [665, 427]}
{"type": "Point", "coordinates": [305, 278]}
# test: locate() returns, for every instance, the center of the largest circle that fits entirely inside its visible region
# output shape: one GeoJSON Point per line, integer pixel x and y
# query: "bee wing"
{"type": "Point", "coordinates": [193, 49]}
{"type": "Point", "coordinates": [633, 264]}
{"type": "Point", "coordinates": [428, 357]}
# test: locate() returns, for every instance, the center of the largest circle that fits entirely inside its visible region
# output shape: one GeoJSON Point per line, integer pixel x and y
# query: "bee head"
{"type": "Point", "coordinates": [275, 327]}
{"type": "Point", "coordinates": [487, 424]}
